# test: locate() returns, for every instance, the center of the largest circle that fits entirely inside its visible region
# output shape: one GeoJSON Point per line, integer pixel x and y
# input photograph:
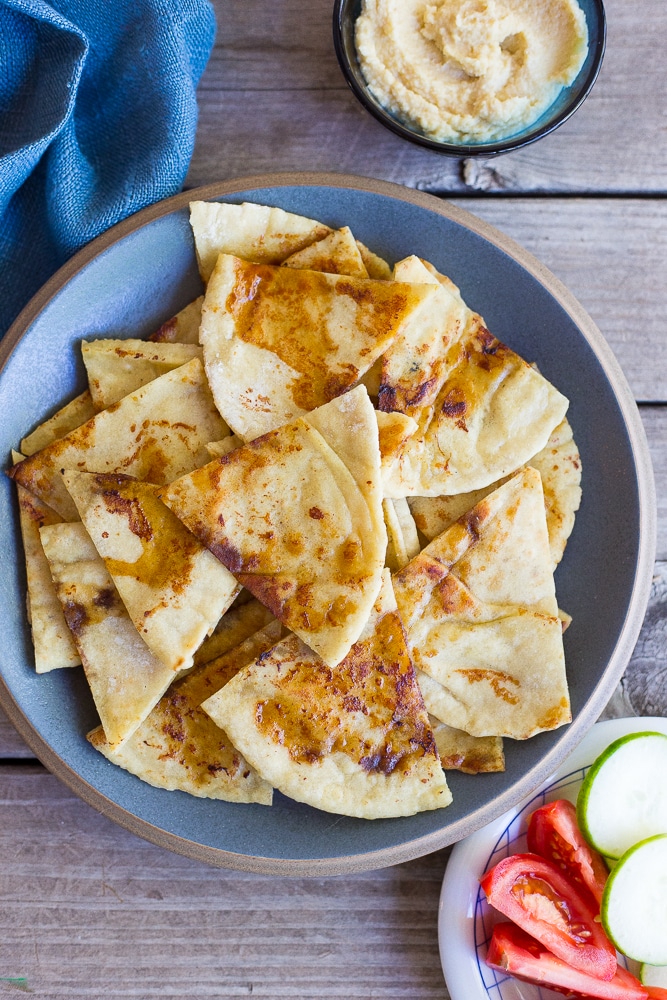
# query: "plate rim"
{"type": "Point", "coordinates": [461, 986]}
{"type": "Point", "coordinates": [640, 591]}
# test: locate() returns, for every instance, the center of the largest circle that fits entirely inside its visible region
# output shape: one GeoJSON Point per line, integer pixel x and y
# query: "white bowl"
{"type": "Point", "coordinates": [465, 919]}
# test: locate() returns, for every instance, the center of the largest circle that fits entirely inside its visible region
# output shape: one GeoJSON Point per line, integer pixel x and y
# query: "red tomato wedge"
{"type": "Point", "coordinates": [553, 833]}
{"type": "Point", "coordinates": [513, 951]}
{"type": "Point", "coordinates": [536, 895]}
{"type": "Point", "coordinates": [656, 992]}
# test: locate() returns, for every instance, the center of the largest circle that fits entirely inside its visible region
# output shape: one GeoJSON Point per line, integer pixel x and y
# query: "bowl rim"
{"type": "Point", "coordinates": [629, 630]}
{"type": "Point", "coordinates": [465, 149]}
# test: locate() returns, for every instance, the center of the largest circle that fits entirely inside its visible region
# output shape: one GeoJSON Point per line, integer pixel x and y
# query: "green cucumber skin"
{"type": "Point", "coordinates": [608, 890]}
{"type": "Point", "coordinates": [653, 975]}
{"type": "Point", "coordinates": [591, 774]}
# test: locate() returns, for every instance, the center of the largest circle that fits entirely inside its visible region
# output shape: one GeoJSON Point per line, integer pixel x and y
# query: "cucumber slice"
{"type": "Point", "coordinates": [623, 798]}
{"type": "Point", "coordinates": [634, 903]}
{"type": "Point", "coordinates": [653, 975]}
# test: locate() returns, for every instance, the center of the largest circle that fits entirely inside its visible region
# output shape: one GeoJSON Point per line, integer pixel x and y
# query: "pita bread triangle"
{"type": "Point", "coordinates": [126, 679]}
{"type": "Point", "coordinates": [64, 420]}
{"type": "Point", "coordinates": [559, 465]}
{"type": "Point", "coordinates": [178, 746]}
{"type": "Point", "coordinates": [471, 754]}
{"type": "Point", "coordinates": [255, 232]}
{"type": "Point", "coordinates": [173, 588]}
{"type": "Point", "coordinates": [183, 328]}
{"type": "Point", "coordinates": [51, 637]}
{"type": "Point", "coordinates": [157, 433]}
{"type": "Point", "coordinates": [115, 368]}
{"type": "Point", "coordinates": [337, 253]}
{"type": "Point", "coordinates": [482, 410]}
{"type": "Point", "coordinates": [480, 613]}
{"type": "Point", "coordinates": [296, 516]}
{"type": "Point", "coordinates": [354, 739]}
{"type": "Point", "coordinates": [280, 341]}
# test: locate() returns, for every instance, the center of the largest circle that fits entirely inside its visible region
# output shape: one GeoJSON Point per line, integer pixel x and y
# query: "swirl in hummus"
{"type": "Point", "coordinates": [470, 70]}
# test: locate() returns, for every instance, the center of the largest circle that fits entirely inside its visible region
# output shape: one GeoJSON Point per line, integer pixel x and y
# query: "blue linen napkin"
{"type": "Point", "coordinates": [97, 120]}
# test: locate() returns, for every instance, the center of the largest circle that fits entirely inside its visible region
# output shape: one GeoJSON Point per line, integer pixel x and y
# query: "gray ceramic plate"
{"type": "Point", "coordinates": [133, 278]}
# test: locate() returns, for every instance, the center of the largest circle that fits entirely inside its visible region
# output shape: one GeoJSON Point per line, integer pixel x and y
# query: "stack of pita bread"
{"type": "Point", "coordinates": [303, 538]}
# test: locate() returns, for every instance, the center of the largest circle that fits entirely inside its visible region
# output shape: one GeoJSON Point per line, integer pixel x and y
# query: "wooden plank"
{"type": "Point", "coordinates": [612, 255]}
{"type": "Point", "coordinates": [89, 910]}
{"type": "Point", "coordinates": [11, 744]}
{"type": "Point", "coordinates": [273, 99]}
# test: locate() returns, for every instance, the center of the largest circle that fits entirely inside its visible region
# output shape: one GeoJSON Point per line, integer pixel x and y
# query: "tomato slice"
{"type": "Point", "coordinates": [656, 992]}
{"type": "Point", "coordinates": [513, 951]}
{"type": "Point", "coordinates": [536, 895]}
{"type": "Point", "coordinates": [553, 833]}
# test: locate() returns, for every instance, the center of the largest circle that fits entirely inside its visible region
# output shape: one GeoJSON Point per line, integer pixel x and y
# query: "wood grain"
{"type": "Point", "coordinates": [612, 255]}
{"type": "Point", "coordinates": [88, 910]}
{"type": "Point", "coordinates": [273, 98]}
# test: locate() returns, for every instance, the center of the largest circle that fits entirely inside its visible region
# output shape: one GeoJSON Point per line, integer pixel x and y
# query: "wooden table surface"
{"type": "Point", "coordinates": [87, 909]}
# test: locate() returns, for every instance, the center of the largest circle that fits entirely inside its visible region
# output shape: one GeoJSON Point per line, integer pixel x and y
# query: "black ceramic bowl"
{"type": "Point", "coordinates": [570, 98]}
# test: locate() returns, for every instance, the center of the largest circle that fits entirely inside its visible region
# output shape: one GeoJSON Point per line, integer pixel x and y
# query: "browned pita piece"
{"type": "Point", "coordinates": [235, 626]}
{"type": "Point", "coordinates": [416, 364]}
{"type": "Point", "coordinates": [126, 679]}
{"type": "Point", "coordinates": [482, 410]}
{"type": "Point", "coordinates": [559, 465]}
{"type": "Point", "coordinates": [376, 266]}
{"type": "Point", "coordinates": [337, 253]}
{"type": "Point", "coordinates": [73, 414]}
{"type": "Point", "coordinates": [402, 538]}
{"type": "Point", "coordinates": [51, 637]}
{"type": "Point", "coordinates": [480, 613]}
{"type": "Point", "coordinates": [296, 516]}
{"type": "Point", "coordinates": [116, 368]}
{"type": "Point", "coordinates": [354, 739]}
{"type": "Point", "coordinates": [156, 434]}
{"type": "Point", "coordinates": [183, 328]}
{"type": "Point", "coordinates": [471, 754]}
{"type": "Point", "coordinates": [179, 747]}
{"type": "Point", "coordinates": [173, 588]}
{"type": "Point", "coordinates": [255, 232]}
{"type": "Point", "coordinates": [279, 342]}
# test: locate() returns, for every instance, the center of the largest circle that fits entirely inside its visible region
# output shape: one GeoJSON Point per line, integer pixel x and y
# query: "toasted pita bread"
{"type": "Point", "coordinates": [416, 365]}
{"type": "Point", "coordinates": [179, 747]}
{"type": "Point", "coordinates": [471, 754]}
{"type": "Point", "coordinates": [279, 341]}
{"type": "Point", "coordinates": [126, 679]}
{"type": "Point", "coordinates": [394, 430]}
{"type": "Point", "coordinates": [173, 588]}
{"type": "Point", "coordinates": [156, 434]}
{"type": "Point", "coordinates": [72, 415]}
{"type": "Point", "coordinates": [255, 232]}
{"type": "Point", "coordinates": [296, 516]}
{"type": "Point", "coordinates": [482, 410]}
{"type": "Point", "coordinates": [51, 637]}
{"type": "Point", "coordinates": [337, 253]}
{"type": "Point", "coordinates": [118, 367]}
{"type": "Point", "coordinates": [480, 612]}
{"type": "Point", "coordinates": [235, 626]}
{"type": "Point", "coordinates": [376, 266]}
{"type": "Point", "coordinates": [216, 449]}
{"type": "Point", "coordinates": [183, 328]}
{"type": "Point", "coordinates": [559, 465]}
{"type": "Point", "coordinates": [354, 739]}
{"type": "Point", "coordinates": [402, 539]}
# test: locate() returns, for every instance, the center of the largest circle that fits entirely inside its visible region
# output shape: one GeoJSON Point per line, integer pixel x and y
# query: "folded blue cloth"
{"type": "Point", "coordinates": [97, 120]}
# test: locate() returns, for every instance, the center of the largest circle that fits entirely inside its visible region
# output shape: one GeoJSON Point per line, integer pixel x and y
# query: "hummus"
{"type": "Point", "coordinates": [470, 70]}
